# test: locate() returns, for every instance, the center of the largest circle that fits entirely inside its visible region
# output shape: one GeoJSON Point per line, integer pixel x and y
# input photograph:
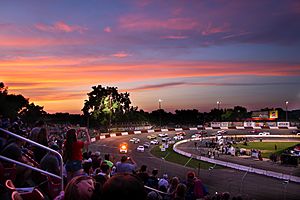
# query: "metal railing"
{"type": "Point", "coordinates": [31, 167]}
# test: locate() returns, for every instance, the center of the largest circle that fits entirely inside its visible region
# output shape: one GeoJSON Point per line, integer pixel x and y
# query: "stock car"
{"type": "Point", "coordinates": [134, 140]}
{"type": "Point", "coordinates": [123, 147]}
{"type": "Point", "coordinates": [154, 142]}
{"type": "Point", "coordinates": [140, 148]}
{"type": "Point", "coordinates": [150, 137]}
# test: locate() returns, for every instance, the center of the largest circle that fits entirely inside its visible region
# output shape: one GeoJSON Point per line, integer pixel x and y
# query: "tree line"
{"type": "Point", "coordinates": [106, 107]}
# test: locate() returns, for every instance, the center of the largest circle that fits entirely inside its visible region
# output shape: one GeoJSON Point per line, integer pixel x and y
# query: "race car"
{"type": "Point", "coordinates": [123, 147]}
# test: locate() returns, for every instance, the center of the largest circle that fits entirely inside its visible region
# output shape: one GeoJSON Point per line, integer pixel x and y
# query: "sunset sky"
{"type": "Point", "coordinates": [190, 54]}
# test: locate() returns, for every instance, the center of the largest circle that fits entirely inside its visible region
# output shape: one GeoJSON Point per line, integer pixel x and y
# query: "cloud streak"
{"type": "Point", "coordinates": [173, 84]}
{"type": "Point", "coordinates": [60, 26]}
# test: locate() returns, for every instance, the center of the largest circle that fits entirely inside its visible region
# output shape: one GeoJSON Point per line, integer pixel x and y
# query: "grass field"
{"type": "Point", "coordinates": [171, 156]}
{"type": "Point", "coordinates": [267, 148]}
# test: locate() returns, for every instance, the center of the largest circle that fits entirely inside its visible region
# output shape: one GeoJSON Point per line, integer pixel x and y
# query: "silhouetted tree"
{"type": "Point", "coordinates": [11, 104]}
{"type": "Point", "coordinates": [104, 104]}
{"type": "Point", "coordinates": [31, 113]}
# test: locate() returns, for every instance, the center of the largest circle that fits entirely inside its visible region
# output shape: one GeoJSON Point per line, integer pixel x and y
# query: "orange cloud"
{"type": "Point", "coordinates": [35, 41]}
{"type": "Point", "coordinates": [60, 27]}
{"type": "Point", "coordinates": [54, 81]}
{"type": "Point", "coordinates": [120, 55]}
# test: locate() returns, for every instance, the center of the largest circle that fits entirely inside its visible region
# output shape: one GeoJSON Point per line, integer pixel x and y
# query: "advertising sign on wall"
{"type": "Point", "coordinates": [271, 124]}
{"type": "Point", "coordinates": [215, 124]}
{"type": "Point", "coordinates": [273, 114]}
{"type": "Point", "coordinates": [283, 124]}
{"type": "Point", "coordinates": [249, 124]}
{"type": "Point", "coordinates": [260, 114]}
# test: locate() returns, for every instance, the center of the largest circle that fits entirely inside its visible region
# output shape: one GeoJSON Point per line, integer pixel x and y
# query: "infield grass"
{"type": "Point", "coordinates": [171, 156]}
{"type": "Point", "coordinates": [267, 148]}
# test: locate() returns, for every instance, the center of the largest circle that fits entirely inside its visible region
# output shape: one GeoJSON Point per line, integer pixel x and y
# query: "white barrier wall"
{"type": "Point", "coordinates": [236, 166]}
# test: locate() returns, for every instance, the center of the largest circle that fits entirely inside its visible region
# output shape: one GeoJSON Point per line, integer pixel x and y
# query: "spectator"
{"type": "Point", "coordinates": [108, 161]}
{"type": "Point", "coordinates": [195, 189]}
{"type": "Point", "coordinates": [143, 174]}
{"type": "Point", "coordinates": [50, 162]}
{"type": "Point", "coordinates": [127, 165]}
{"type": "Point", "coordinates": [153, 195]}
{"type": "Point", "coordinates": [180, 192]}
{"type": "Point", "coordinates": [153, 179]}
{"type": "Point", "coordinates": [124, 186]}
{"type": "Point", "coordinates": [80, 187]}
{"type": "Point", "coordinates": [41, 138]}
{"type": "Point", "coordinates": [72, 152]}
{"type": "Point", "coordinates": [13, 150]}
{"type": "Point", "coordinates": [172, 187]}
{"type": "Point", "coordinates": [96, 160]}
{"type": "Point", "coordinates": [163, 183]}
{"type": "Point", "coordinates": [36, 130]}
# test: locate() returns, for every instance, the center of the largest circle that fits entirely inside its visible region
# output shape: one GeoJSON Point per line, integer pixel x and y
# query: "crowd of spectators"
{"type": "Point", "coordinates": [87, 175]}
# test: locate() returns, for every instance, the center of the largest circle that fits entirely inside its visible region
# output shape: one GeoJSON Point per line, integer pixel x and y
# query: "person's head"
{"type": "Point", "coordinates": [124, 186]}
{"type": "Point", "coordinates": [143, 168]}
{"type": "Point", "coordinates": [71, 135]}
{"type": "Point", "coordinates": [40, 123]}
{"type": "Point", "coordinates": [80, 187]}
{"type": "Point", "coordinates": [190, 176]}
{"type": "Point", "coordinates": [154, 172]}
{"type": "Point", "coordinates": [106, 157]}
{"type": "Point", "coordinates": [42, 136]}
{"type": "Point", "coordinates": [124, 158]}
{"type": "Point", "coordinates": [153, 196]}
{"type": "Point", "coordinates": [104, 168]}
{"type": "Point", "coordinates": [174, 181]}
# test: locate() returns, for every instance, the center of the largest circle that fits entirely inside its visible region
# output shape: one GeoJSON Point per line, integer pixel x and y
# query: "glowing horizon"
{"type": "Point", "coordinates": [153, 50]}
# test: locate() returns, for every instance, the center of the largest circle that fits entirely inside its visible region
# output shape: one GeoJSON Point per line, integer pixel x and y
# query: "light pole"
{"type": "Point", "coordinates": [159, 103]}
{"type": "Point", "coordinates": [159, 107]}
{"type": "Point", "coordinates": [110, 112]}
{"type": "Point", "coordinates": [218, 105]}
{"type": "Point", "coordinates": [286, 110]}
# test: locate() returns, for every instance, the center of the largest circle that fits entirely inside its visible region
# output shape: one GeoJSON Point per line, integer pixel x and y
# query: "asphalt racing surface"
{"type": "Point", "coordinates": [216, 180]}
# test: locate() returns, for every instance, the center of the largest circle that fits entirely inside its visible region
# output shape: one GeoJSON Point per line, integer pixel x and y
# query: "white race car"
{"type": "Point", "coordinates": [140, 148]}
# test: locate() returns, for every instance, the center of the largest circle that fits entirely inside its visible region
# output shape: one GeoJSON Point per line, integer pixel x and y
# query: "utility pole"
{"type": "Point", "coordinates": [159, 110]}
{"type": "Point", "coordinates": [286, 110]}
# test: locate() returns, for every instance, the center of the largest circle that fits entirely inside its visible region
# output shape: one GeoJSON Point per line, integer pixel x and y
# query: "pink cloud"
{"type": "Point", "coordinates": [60, 27]}
{"type": "Point", "coordinates": [107, 29]}
{"type": "Point", "coordinates": [137, 22]}
{"type": "Point", "coordinates": [36, 41]}
{"type": "Point", "coordinates": [175, 37]}
{"type": "Point", "coordinates": [236, 35]}
{"type": "Point", "coordinates": [120, 55]}
{"type": "Point", "coordinates": [210, 29]}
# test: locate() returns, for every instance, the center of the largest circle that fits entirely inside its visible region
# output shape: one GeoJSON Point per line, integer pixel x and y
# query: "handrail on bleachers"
{"type": "Point", "coordinates": [34, 168]}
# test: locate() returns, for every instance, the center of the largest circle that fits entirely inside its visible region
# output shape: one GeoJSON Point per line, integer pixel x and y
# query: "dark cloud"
{"type": "Point", "coordinates": [172, 84]}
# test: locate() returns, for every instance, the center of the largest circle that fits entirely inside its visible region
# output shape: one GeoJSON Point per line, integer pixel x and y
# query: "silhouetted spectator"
{"type": "Point", "coordinates": [153, 179]}
{"type": "Point", "coordinates": [50, 162]}
{"type": "Point", "coordinates": [126, 165]}
{"type": "Point", "coordinates": [143, 174]}
{"type": "Point", "coordinates": [180, 193]}
{"type": "Point", "coordinates": [124, 186]}
{"type": "Point", "coordinates": [72, 152]}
